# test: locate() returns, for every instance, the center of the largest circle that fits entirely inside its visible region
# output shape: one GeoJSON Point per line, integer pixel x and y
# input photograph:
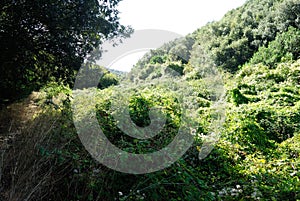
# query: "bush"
{"type": "Point", "coordinates": [108, 80]}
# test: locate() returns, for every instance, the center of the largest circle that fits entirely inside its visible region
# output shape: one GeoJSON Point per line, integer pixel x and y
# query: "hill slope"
{"type": "Point", "coordinates": [245, 67]}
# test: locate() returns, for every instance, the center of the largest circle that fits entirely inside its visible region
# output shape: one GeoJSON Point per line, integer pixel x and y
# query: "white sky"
{"type": "Point", "coordinates": [179, 16]}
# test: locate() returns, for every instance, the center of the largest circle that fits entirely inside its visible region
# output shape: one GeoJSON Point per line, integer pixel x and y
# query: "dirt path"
{"type": "Point", "coordinates": [14, 117]}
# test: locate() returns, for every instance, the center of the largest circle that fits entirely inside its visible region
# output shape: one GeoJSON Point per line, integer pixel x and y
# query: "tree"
{"type": "Point", "coordinates": [48, 40]}
{"type": "Point", "coordinates": [285, 47]}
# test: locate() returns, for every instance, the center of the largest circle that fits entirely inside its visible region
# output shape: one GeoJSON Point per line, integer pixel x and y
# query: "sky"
{"type": "Point", "coordinates": [179, 16]}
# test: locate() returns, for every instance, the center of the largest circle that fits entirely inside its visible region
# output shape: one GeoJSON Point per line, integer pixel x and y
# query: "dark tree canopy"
{"type": "Point", "coordinates": [46, 40]}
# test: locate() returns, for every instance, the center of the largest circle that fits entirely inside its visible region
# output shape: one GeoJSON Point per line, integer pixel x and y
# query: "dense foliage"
{"type": "Point", "coordinates": [45, 41]}
{"type": "Point", "coordinates": [257, 156]}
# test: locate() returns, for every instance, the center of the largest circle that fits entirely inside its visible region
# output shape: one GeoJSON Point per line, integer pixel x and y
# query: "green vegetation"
{"type": "Point", "coordinates": [253, 55]}
{"type": "Point", "coordinates": [284, 48]}
{"type": "Point", "coordinates": [48, 41]}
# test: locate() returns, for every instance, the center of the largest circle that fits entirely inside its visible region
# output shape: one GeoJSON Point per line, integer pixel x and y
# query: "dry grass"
{"type": "Point", "coordinates": [24, 173]}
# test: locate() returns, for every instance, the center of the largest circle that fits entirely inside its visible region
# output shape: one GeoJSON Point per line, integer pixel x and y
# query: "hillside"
{"type": "Point", "coordinates": [233, 86]}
